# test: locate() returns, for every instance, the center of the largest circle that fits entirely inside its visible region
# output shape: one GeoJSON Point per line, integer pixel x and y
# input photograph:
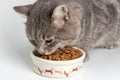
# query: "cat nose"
{"type": "Point", "coordinates": [41, 52]}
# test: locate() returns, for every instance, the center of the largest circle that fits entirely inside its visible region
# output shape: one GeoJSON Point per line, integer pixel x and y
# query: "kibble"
{"type": "Point", "coordinates": [67, 53]}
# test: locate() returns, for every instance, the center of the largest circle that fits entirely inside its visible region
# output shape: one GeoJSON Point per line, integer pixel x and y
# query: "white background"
{"type": "Point", "coordinates": [15, 61]}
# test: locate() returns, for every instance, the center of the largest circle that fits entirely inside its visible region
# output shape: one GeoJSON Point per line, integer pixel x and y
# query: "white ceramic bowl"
{"type": "Point", "coordinates": [50, 68]}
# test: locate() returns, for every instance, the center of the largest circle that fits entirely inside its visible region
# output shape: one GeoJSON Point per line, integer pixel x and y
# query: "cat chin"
{"type": "Point", "coordinates": [49, 52]}
{"type": "Point", "coordinates": [52, 51]}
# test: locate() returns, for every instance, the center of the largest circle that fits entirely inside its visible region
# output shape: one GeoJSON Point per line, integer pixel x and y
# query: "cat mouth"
{"type": "Point", "coordinates": [53, 51]}
{"type": "Point", "coordinates": [58, 49]}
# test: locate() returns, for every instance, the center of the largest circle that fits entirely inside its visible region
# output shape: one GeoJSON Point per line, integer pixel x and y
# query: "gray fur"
{"type": "Point", "coordinates": [90, 24]}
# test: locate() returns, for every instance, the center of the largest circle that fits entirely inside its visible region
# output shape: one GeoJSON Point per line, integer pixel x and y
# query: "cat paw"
{"type": "Point", "coordinates": [86, 58]}
{"type": "Point", "coordinates": [111, 46]}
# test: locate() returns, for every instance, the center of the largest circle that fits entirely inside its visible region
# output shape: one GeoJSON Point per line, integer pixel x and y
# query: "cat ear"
{"type": "Point", "coordinates": [24, 10]}
{"type": "Point", "coordinates": [60, 15]}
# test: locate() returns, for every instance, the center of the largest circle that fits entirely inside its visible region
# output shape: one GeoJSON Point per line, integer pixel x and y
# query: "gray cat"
{"type": "Point", "coordinates": [87, 24]}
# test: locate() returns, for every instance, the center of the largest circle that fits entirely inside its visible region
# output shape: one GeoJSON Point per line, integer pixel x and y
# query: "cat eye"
{"type": "Point", "coordinates": [49, 41]}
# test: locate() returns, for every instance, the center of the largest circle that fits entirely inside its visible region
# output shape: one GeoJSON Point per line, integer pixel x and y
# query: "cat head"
{"type": "Point", "coordinates": [51, 24]}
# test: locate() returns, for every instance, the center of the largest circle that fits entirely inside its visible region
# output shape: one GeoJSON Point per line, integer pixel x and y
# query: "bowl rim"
{"type": "Point", "coordinates": [59, 62]}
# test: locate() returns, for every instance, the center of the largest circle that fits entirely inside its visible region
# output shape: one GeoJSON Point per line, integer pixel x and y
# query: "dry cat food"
{"type": "Point", "coordinates": [67, 53]}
